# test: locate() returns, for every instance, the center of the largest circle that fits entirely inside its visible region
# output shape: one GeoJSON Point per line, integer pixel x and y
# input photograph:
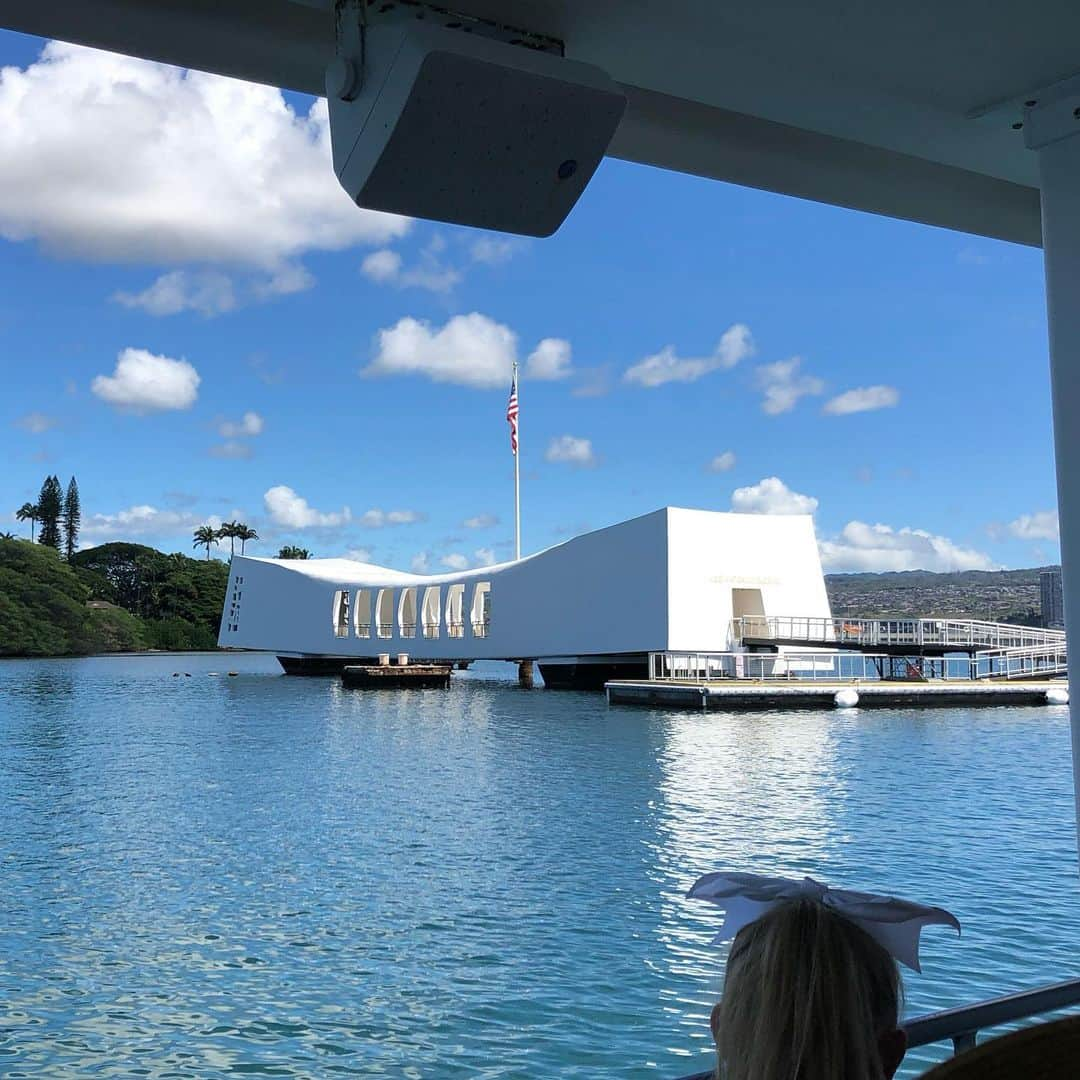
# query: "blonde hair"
{"type": "Point", "coordinates": [806, 995]}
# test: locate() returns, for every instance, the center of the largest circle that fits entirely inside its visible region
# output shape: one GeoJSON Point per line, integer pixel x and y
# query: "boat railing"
{"type": "Point", "coordinates": [431, 630]}
{"type": "Point", "coordinates": [408, 629]}
{"type": "Point", "coordinates": [341, 631]}
{"type": "Point", "coordinates": [386, 629]}
{"type": "Point", "coordinates": [455, 629]}
{"type": "Point", "coordinates": [961, 1026]}
{"type": "Point", "coordinates": [479, 629]}
{"type": "Point", "coordinates": [363, 629]}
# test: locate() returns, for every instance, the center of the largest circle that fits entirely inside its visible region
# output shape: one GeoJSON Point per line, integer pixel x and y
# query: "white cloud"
{"type": "Point", "coordinates": [37, 423]}
{"type": "Point", "coordinates": [570, 450]}
{"type": "Point", "coordinates": [386, 267]}
{"type": "Point", "coordinates": [1042, 525]}
{"type": "Point", "coordinates": [291, 511]}
{"type": "Point", "coordinates": [140, 521]}
{"type": "Point", "coordinates": [471, 350]}
{"type": "Point", "coordinates": [208, 292]}
{"type": "Point", "coordinates": [145, 382]}
{"type": "Point", "coordinates": [666, 366]}
{"type": "Point", "coordinates": [862, 399]}
{"type": "Point", "coordinates": [481, 521]}
{"type": "Point", "coordinates": [771, 496]}
{"type": "Point", "coordinates": [378, 519]}
{"type": "Point", "coordinates": [783, 385]}
{"type": "Point", "coordinates": [455, 561]}
{"type": "Point", "coordinates": [495, 249]}
{"type": "Point", "coordinates": [381, 266]}
{"type": "Point", "coordinates": [549, 360]}
{"type": "Point", "coordinates": [110, 157]}
{"type": "Point", "coordinates": [249, 425]}
{"type": "Point", "coordinates": [284, 281]}
{"type": "Point", "coordinates": [881, 547]}
{"type": "Point", "coordinates": [484, 556]}
{"type": "Point", "coordinates": [722, 462]}
{"type": "Point", "coordinates": [420, 563]}
{"type": "Point", "coordinates": [358, 555]}
{"type": "Point", "coordinates": [231, 450]}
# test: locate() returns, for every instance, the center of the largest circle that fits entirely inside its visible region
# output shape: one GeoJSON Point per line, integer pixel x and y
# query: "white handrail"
{"type": "Point", "coordinates": [963, 633]}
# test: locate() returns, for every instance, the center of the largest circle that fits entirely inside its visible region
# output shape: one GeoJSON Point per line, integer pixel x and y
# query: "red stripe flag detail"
{"type": "Point", "coordinates": [512, 416]}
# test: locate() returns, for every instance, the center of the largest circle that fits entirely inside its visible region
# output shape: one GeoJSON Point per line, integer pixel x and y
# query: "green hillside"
{"type": "Point", "coordinates": [112, 598]}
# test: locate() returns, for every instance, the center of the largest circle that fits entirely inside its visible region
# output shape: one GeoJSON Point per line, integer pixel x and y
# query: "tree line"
{"type": "Point", "coordinates": [207, 536]}
{"type": "Point", "coordinates": [111, 598]}
{"type": "Point", "coordinates": [59, 514]}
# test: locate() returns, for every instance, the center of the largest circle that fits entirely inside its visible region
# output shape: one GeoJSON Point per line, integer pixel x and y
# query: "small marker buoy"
{"type": "Point", "coordinates": [1057, 695]}
{"type": "Point", "coordinates": [176, 674]}
{"type": "Point", "coordinates": [846, 699]}
{"type": "Point", "coordinates": [233, 674]}
{"type": "Point", "coordinates": [187, 674]}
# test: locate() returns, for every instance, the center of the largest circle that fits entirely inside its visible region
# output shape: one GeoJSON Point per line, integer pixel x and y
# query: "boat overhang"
{"type": "Point", "coordinates": [907, 110]}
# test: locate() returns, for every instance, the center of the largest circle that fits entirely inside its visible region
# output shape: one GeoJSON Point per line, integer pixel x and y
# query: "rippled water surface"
{"type": "Point", "coordinates": [209, 876]}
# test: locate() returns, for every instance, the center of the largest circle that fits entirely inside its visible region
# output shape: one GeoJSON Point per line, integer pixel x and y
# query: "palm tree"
{"type": "Point", "coordinates": [29, 512]}
{"type": "Point", "coordinates": [229, 531]}
{"type": "Point", "coordinates": [291, 551]}
{"type": "Point", "coordinates": [8, 536]}
{"type": "Point", "coordinates": [244, 533]}
{"type": "Point", "coordinates": [204, 536]}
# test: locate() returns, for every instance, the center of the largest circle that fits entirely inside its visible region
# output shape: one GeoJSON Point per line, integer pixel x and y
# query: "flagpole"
{"type": "Point", "coordinates": [517, 475]}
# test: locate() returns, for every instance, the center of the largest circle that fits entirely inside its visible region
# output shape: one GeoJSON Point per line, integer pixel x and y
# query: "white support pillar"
{"type": "Point", "coordinates": [1052, 129]}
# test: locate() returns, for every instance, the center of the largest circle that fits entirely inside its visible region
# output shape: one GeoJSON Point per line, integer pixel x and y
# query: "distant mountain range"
{"type": "Point", "coordinates": [998, 595]}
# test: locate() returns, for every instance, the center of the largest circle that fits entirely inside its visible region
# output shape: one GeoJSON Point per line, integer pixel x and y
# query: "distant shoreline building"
{"type": "Point", "coordinates": [1052, 599]}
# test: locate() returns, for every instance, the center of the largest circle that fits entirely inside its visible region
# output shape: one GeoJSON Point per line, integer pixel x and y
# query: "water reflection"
{"type": "Point", "coordinates": [213, 875]}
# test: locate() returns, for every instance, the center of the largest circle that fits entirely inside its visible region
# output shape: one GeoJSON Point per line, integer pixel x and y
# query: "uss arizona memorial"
{"type": "Point", "coordinates": [590, 609]}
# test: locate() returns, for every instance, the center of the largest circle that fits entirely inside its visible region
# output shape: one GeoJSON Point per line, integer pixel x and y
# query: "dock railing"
{"type": "Point", "coordinates": [767, 667]}
{"type": "Point", "coordinates": [1032, 662]}
{"type": "Point", "coordinates": [961, 1026]}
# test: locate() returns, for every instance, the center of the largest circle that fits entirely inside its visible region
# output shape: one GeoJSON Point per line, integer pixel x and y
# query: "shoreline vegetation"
{"type": "Point", "coordinates": [130, 598]}
{"type": "Point", "coordinates": [109, 599]}
{"type": "Point", "coordinates": [56, 600]}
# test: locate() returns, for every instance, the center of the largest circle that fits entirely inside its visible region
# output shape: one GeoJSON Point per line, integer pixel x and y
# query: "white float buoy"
{"type": "Point", "coordinates": [846, 699]}
{"type": "Point", "coordinates": [1057, 695]}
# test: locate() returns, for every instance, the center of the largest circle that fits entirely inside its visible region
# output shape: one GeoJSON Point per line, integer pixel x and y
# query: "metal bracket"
{"type": "Point", "coordinates": [1043, 115]}
{"type": "Point", "coordinates": [1054, 116]}
{"type": "Point", "coordinates": [381, 12]}
{"type": "Point", "coordinates": [345, 74]}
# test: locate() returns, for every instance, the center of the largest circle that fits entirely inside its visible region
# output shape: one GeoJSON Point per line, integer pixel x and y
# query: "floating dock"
{"type": "Point", "coordinates": [752, 694]}
{"type": "Point", "coordinates": [397, 676]}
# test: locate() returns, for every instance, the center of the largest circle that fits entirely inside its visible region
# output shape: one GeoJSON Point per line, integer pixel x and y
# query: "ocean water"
{"type": "Point", "coordinates": [212, 876]}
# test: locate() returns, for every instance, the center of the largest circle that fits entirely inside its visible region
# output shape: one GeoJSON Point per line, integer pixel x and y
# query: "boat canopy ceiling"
{"type": "Point", "coordinates": [905, 109]}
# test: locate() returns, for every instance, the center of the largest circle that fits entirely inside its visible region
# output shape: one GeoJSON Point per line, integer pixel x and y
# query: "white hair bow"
{"type": "Point", "coordinates": [894, 924]}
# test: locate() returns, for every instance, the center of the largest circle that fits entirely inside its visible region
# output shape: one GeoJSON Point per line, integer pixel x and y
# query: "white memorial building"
{"type": "Point", "coordinates": [588, 610]}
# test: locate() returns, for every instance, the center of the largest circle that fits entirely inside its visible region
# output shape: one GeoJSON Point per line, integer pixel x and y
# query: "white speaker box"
{"type": "Point", "coordinates": [437, 123]}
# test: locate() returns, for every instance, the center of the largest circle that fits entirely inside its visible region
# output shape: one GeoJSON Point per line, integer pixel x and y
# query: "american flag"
{"type": "Point", "coordinates": [512, 415]}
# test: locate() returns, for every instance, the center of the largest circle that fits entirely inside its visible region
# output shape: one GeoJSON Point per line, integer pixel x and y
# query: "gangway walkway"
{"type": "Point", "coordinates": [994, 650]}
{"type": "Point", "coordinates": [927, 637]}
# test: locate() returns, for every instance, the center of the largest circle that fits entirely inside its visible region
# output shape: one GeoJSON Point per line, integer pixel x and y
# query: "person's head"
{"type": "Point", "coordinates": [808, 995]}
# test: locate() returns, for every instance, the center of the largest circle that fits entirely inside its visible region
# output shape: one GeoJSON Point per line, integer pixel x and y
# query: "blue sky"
{"type": "Point", "coordinates": [175, 257]}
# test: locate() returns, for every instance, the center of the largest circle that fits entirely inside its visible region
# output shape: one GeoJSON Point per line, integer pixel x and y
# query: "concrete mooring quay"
{"type": "Point", "coordinates": [752, 694]}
